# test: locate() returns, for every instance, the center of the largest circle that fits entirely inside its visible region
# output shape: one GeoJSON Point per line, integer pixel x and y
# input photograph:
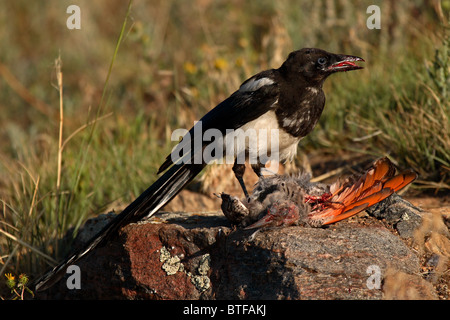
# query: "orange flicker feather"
{"type": "Point", "coordinates": [348, 198]}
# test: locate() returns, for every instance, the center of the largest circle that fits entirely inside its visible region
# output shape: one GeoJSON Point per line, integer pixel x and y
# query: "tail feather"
{"type": "Point", "coordinates": [347, 214]}
{"type": "Point", "coordinates": [149, 202]}
{"type": "Point", "coordinates": [400, 181]}
{"type": "Point", "coordinates": [382, 169]}
{"type": "Point", "coordinates": [375, 185]}
{"type": "Point", "coordinates": [371, 181]}
{"type": "Point", "coordinates": [358, 206]}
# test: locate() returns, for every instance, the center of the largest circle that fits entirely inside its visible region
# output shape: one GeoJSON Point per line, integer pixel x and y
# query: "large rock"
{"type": "Point", "coordinates": [344, 262]}
{"type": "Point", "coordinates": [176, 256]}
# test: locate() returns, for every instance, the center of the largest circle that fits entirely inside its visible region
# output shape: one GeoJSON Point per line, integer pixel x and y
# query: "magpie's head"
{"type": "Point", "coordinates": [315, 65]}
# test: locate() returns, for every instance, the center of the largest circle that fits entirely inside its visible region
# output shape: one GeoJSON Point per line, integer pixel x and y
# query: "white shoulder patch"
{"type": "Point", "coordinates": [253, 84]}
{"type": "Point", "coordinates": [313, 90]}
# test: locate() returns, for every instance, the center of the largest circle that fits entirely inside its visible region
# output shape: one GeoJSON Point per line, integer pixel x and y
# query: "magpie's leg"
{"type": "Point", "coordinates": [257, 169]}
{"type": "Point", "coordinates": [239, 170]}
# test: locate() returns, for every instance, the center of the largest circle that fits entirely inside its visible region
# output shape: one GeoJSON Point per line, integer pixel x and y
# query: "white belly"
{"type": "Point", "coordinates": [261, 139]}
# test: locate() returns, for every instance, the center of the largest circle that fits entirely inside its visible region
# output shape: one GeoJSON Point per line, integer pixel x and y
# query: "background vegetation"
{"type": "Point", "coordinates": [177, 59]}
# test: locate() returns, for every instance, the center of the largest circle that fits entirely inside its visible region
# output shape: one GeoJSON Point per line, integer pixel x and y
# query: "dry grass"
{"type": "Point", "coordinates": [432, 243]}
{"type": "Point", "coordinates": [402, 286]}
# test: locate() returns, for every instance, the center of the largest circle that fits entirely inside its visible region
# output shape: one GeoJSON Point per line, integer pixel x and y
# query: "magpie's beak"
{"type": "Point", "coordinates": [345, 63]}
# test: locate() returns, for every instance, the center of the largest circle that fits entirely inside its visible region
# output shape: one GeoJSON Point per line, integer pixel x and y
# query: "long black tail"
{"type": "Point", "coordinates": [149, 202]}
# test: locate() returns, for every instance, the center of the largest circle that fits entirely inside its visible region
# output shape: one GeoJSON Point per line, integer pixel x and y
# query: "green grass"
{"type": "Point", "coordinates": [175, 62]}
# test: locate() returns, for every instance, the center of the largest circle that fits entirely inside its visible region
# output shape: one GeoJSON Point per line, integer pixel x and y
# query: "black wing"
{"type": "Point", "coordinates": [241, 107]}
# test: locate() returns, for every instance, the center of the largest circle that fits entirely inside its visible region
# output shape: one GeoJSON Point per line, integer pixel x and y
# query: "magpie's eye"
{"type": "Point", "coordinates": [322, 61]}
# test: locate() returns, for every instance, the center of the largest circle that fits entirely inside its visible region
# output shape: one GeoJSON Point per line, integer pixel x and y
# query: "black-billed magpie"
{"type": "Point", "coordinates": [288, 101]}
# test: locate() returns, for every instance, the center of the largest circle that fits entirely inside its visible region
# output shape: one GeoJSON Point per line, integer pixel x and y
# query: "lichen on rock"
{"type": "Point", "coordinates": [202, 281]}
{"type": "Point", "coordinates": [172, 264]}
